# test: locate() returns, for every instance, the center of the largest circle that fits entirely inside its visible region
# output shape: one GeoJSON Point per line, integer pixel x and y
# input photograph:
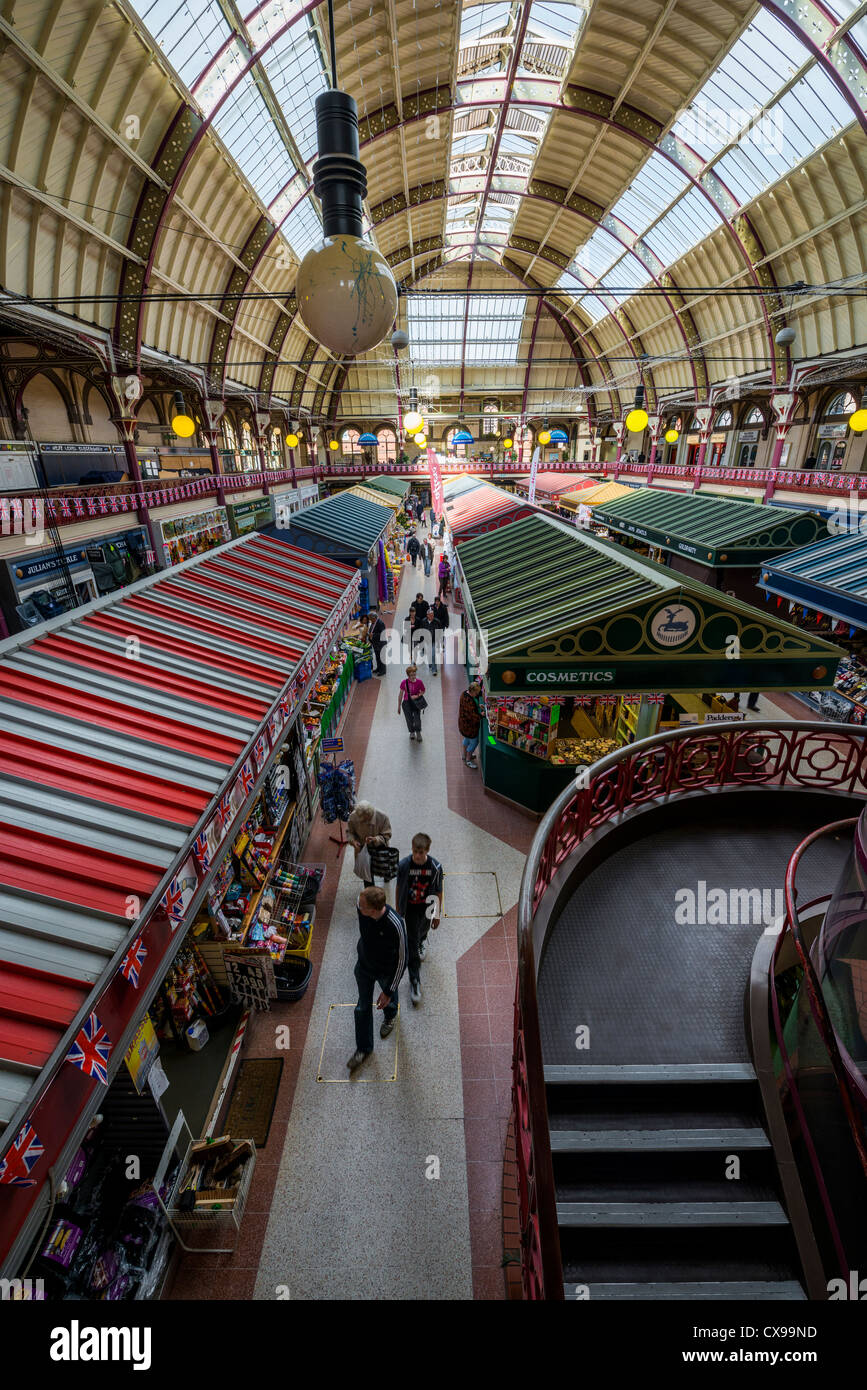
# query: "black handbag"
{"type": "Point", "coordinates": [418, 702]}
{"type": "Point", "coordinates": [384, 860]}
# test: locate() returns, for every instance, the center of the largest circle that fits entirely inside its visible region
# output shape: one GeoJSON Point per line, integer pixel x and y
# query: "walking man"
{"type": "Point", "coordinates": [427, 554]}
{"type": "Point", "coordinates": [419, 880]}
{"type": "Point", "coordinates": [382, 954]}
{"type": "Point", "coordinates": [413, 548]}
{"type": "Point", "coordinates": [376, 632]}
{"type": "Point", "coordinates": [470, 722]}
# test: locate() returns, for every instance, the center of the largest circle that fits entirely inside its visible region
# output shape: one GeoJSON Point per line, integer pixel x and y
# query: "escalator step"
{"type": "Point", "coordinates": [740, 1290]}
{"type": "Point", "coordinates": [566, 1141]}
{"type": "Point", "coordinates": [664, 1073]}
{"type": "Point", "coordinates": [692, 1214]}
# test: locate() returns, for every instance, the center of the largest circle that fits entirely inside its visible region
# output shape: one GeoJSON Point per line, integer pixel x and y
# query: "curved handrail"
{"type": "Point", "coordinates": [846, 1081]}
{"type": "Point", "coordinates": [771, 753]}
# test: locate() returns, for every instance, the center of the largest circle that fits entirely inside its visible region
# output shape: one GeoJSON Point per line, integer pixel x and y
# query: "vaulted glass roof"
{"type": "Point", "coordinates": [493, 328]}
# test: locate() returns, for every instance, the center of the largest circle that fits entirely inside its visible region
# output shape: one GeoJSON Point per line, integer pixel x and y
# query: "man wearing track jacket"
{"type": "Point", "coordinates": [382, 956]}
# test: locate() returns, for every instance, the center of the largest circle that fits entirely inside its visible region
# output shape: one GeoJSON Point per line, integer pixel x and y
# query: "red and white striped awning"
{"type": "Point", "coordinates": [133, 736]}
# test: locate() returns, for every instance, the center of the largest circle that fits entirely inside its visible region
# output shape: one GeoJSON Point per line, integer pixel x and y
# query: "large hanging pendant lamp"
{"type": "Point", "coordinates": [346, 292]}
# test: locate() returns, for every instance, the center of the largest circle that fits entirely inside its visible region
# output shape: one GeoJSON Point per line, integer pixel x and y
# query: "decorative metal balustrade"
{"type": "Point", "coordinates": [785, 754]}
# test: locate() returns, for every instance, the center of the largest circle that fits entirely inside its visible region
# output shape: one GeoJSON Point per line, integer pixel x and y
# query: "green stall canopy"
{"type": "Point", "coordinates": [564, 611]}
{"type": "Point", "coordinates": [344, 520]}
{"type": "Point", "coordinates": [384, 482]}
{"type": "Point", "coordinates": [714, 531]}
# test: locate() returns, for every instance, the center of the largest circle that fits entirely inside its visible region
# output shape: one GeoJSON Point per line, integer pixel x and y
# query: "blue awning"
{"type": "Point", "coordinates": [828, 577]}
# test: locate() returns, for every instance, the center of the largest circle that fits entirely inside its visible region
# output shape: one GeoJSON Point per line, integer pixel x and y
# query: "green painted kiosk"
{"type": "Point", "coordinates": [583, 646]}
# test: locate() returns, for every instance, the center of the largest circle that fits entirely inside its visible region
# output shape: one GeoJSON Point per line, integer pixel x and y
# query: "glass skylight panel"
{"type": "Point", "coordinates": [515, 142]}
{"type": "Point", "coordinates": [297, 77]}
{"type": "Point", "coordinates": [480, 21]}
{"type": "Point", "coordinates": [189, 32]}
{"type": "Point", "coordinates": [471, 143]}
{"type": "Point", "coordinates": [555, 21]}
{"type": "Point", "coordinates": [654, 187]}
{"type": "Point", "coordinates": [303, 228]}
{"type": "Point", "coordinates": [689, 221]}
{"type": "Point", "coordinates": [597, 254]}
{"type": "Point", "coordinates": [494, 326]}
{"type": "Point", "coordinates": [245, 126]}
{"type": "Point", "coordinates": [628, 275]}
{"type": "Point", "coordinates": [571, 284]}
{"type": "Point", "coordinates": [593, 307]}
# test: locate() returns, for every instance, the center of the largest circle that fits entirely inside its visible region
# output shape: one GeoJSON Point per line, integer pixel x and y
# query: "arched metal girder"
{"type": "Point", "coordinates": [574, 339]}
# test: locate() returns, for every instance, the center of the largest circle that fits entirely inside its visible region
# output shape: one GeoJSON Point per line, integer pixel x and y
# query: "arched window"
{"type": "Point", "coordinates": [229, 434]}
{"type": "Point", "coordinates": [491, 418]}
{"type": "Point", "coordinates": [349, 444]}
{"type": "Point", "coordinates": [387, 449]}
{"type": "Point", "coordinates": [248, 453]}
{"type": "Point", "coordinates": [723, 421]}
{"type": "Point", "coordinates": [842, 404]}
{"type": "Point", "coordinates": [523, 438]}
{"type": "Point", "coordinates": [754, 417]}
{"type": "Point", "coordinates": [459, 450]}
{"type": "Point", "coordinates": [276, 449]}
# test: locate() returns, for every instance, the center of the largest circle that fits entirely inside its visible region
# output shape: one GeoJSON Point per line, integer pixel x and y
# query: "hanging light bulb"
{"type": "Point", "coordinates": [637, 419]}
{"type": "Point", "coordinates": [507, 443]}
{"type": "Point", "coordinates": [420, 439]}
{"type": "Point", "coordinates": [292, 440]}
{"type": "Point", "coordinates": [182, 424]}
{"type": "Point", "coordinates": [858, 418]}
{"type": "Point", "coordinates": [333, 444]}
{"type": "Point", "coordinates": [399, 340]}
{"type": "Point", "coordinates": [545, 435]}
{"type": "Point", "coordinates": [346, 292]}
{"type": "Point", "coordinates": [672, 436]}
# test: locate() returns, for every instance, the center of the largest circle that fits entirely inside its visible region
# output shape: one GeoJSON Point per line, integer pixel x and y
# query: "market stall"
{"type": "Point", "coordinates": [824, 590]}
{"type": "Point", "coordinates": [186, 536]}
{"type": "Point", "coordinates": [716, 540]}
{"type": "Point", "coordinates": [588, 646]}
{"type": "Point", "coordinates": [592, 496]}
{"type": "Point", "coordinates": [550, 484]}
{"type": "Point", "coordinates": [351, 530]}
{"type": "Point", "coordinates": [485, 508]}
{"type": "Point", "coordinates": [387, 482]}
{"type": "Point", "coordinates": [139, 740]}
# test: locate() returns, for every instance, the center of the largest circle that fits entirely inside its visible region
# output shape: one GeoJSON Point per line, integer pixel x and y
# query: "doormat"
{"type": "Point", "coordinates": [252, 1106]}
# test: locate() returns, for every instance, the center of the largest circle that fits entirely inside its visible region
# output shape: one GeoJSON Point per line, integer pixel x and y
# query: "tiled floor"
{"type": "Point", "coordinates": [347, 1201]}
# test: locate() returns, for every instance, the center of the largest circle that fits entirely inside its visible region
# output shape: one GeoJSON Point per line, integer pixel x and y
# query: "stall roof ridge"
{"type": "Point", "coordinates": [706, 520]}
{"type": "Point", "coordinates": [344, 517]}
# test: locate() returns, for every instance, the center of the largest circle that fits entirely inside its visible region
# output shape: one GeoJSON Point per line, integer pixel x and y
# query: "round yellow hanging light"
{"type": "Point", "coordinates": [545, 437]}
{"type": "Point", "coordinates": [292, 441]}
{"type": "Point", "coordinates": [412, 422]}
{"type": "Point", "coordinates": [858, 420]}
{"type": "Point", "coordinates": [333, 444]}
{"type": "Point", "coordinates": [182, 424]}
{"type": "Point", "coordinates": [672, 436]}
{"type": "Point", "coordinates": [507, 443]}
{"type": "Point", "coordinates": [636, 421]}
{"type": "Point", "coordinates": [420, 439]}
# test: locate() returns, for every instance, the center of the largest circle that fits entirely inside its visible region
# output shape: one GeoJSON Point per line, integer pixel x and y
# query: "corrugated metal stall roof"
{"type": "Point", "coordinates": [539, 576]}
{"type": "Point", "coordinates": [711, 530]}
{"type": "Point", "coordinates": [551, 483]}
{"type": "Point", "coordinates": [382, 499]}
{"type": "Point", "coordinates": [385, 482]}
{"type": "Point", "coordinates": [593, 496]}
{"type": "Point", "coordinates": [830, 577]}
{"type": "Point", "coordinates": [118, 729]}
{"type": "Point", "coordinates": [355, 522]}
{"type": "Point", "coordinates": [484, 509]}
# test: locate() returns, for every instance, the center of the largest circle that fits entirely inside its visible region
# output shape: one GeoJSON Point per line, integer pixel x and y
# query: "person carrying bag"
{"type": "Point", "coordinates": [411, 702]}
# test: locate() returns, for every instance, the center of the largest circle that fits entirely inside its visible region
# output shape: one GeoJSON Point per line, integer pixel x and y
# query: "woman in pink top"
{"type": "Point", "coordinates": [410, 690]}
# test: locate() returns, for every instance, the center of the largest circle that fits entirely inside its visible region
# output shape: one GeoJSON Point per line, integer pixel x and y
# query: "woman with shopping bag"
{"type": "Point", "coordinates": [411, 702]}
{"type": "Point", "coordinates": [366, 829]}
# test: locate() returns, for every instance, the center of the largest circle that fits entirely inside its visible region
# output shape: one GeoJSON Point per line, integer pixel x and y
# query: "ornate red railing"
{"type": "Point", "coordinates": [788, 753]}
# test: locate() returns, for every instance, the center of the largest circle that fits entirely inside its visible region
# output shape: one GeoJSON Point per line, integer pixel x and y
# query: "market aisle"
{"type": "Point", "coordinates": [357, 1211]}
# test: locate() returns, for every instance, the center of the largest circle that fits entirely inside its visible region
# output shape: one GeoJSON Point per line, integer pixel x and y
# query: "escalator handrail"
{"type": "Point", "coordinates": [575, 813]}
{"type": "Point", "coordinates": [850, 1083]}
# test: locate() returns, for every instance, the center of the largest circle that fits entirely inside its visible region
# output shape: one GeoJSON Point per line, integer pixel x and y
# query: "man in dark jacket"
{"type": "Point", "coordinates": [376, 633]}
{"type": "Point", "coordinates": [419, 900]}
{"type": "Point", "coordinates": [382, 953]}
{"type": "Point", "coordinates": [413, 548]}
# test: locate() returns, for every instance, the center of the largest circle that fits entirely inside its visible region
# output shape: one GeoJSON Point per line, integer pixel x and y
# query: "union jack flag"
{"type": "Point", "coordinates": [103, 504]}
{"type": "Point", "coordinates": [201, 851]}
{"type": "Point", "coordinates": [25, 1153]}
{"type": "Point", "coordinates": [91, 1050]}
{"type": "Point", "coordinates": [114, 504]}
{"type": "Point", "coordinates": [260, 750]}
{"type": "Point", "coordinates": [224, 810]}
{"type": "Point", "coordinates": [78, 504]}
{"type": "Point", "coordinates": [132, 962]}
{"type": "Point", "coordinates": [246, 779]}
{"type": "Point", "coordinates": [91, 506]}
{"type": "Point", "coordinates": [284, 705]}
{"type": "Point", "coordinates": [173, 902]}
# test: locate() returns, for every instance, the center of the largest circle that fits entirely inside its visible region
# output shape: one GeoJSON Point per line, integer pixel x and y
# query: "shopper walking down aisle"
{"type": "Point", "coordinates": [419, 902]}
{"type": "Point", "coordinates": [444, 573]}
{"type": "Point", "coordinates": [376, 632]}
{"type": "Point", "coordinates": [427, 555]}
{"type": "Point", "coordinates": [411, 702]}
{"type": "Point", "coordinates": [470, 722]}
{"type": "Point", "coordinates": [365, 828]}
{"type": "Point", "coordinates": [382, 954]}
{"type": "Point", "coordinates": [413, 549]}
